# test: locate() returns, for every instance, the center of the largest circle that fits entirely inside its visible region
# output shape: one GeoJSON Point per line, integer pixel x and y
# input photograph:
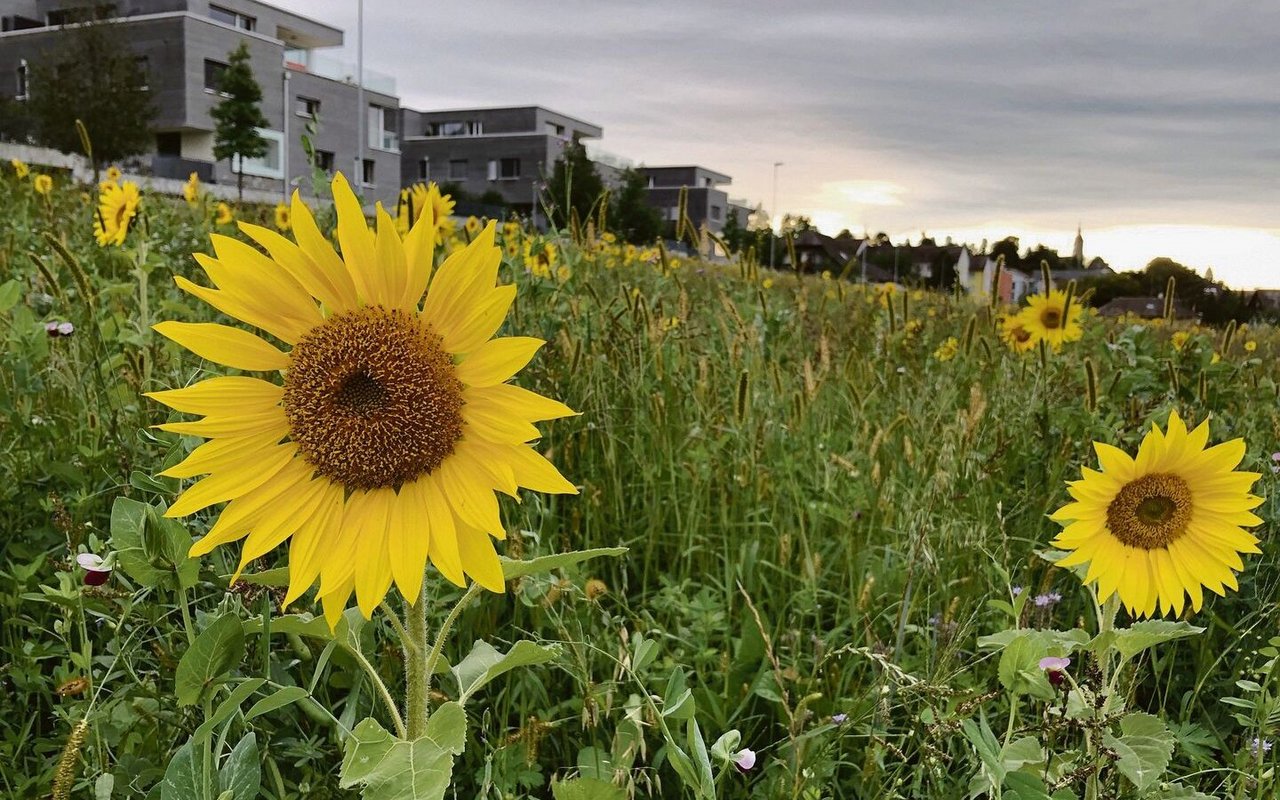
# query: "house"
{"type": "Point", "coordinates": [1144, 307]}
{"type": "Point", "coordinates": [182, 46]}
{"type": "Point", "coordinates": [705, 205]}
{"type": "Point", "coordinates": [840, 255]}
{"type": "Point", "coordinates": [511, 151]}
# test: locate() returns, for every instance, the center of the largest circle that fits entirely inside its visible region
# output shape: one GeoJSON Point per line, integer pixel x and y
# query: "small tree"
{"type": "Point", "coordinates": [575, 186]}
{"type": "Point", "coordinates": [238, 117]}
{"type": "Point", "coordinates": [733, 234]}
{"type": "Point", "coordinates": [634, 219]}
{"type": "Point", "coordinates": [96, 78]}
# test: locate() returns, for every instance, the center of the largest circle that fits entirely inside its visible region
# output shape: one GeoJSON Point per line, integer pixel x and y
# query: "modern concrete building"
{"type": "Point", "coordinates": [706, 203]}
{"type": "Point", "coordinates": [183, 46]}
{"type": "Point", "coordinates": [510, 151]}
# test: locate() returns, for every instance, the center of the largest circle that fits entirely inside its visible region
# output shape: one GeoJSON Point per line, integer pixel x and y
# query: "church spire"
{"type": "Point", "coordinates": [1077, 253]}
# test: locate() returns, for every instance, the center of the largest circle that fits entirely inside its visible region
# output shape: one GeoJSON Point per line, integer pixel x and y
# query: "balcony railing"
{"type": "Point", "coordinates": [336, 69]}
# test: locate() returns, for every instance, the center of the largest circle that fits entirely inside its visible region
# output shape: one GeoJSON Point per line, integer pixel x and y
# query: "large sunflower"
{"type": "Point", "coordinates": [1047, 317]}
{"type": "Point", "coordinates": [394, 423]}
{"type": "Point", "coordinates": [117, 206]}
{"type": "Point", "coordinates": [1164, 524]}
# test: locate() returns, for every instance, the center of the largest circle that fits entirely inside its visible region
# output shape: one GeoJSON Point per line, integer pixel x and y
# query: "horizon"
{"type": "Point", "coordinates": [1011, 119]}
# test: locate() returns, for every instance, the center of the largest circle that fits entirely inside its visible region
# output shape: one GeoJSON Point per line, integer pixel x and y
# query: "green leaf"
{"type": "Point", "coordinates": [1128, 642]}
{"type": "Point", "coordinates": [183, 778]}
{"type": "Point", "coordinates": [241, 776]}
{"type": "Point", "coordinates": [103, 786]}
{"type": "Point", "coordinates": [992, 772]}
{"type": "Point", "coordinates": [447, 727]}
{"type": "Point", "coordinates": [484, 663]}
{"type": "Point", "coordinates": [128, 522]}
{"type": "Point", "coordinates": [586, 789]}
{"type": "Point", "coordinates": [277, 699]}
{"type": "Point", "coordinates": [512, 569]}
{"type": "Point", "coordinates": [216, 650]}
{"type": "Point", "coordinates": [391, 769]}
{"type": "Point", "coordinates": [677, 700]}
{"type": "Point", "coordinates": [226, 708]}
{"type": "Point", "coordinates": [1025, 786]}
{"type": "Point", "coordinates": [1021, 752]}
{"type": "Point", "coordinates": [1020, 671]}
{"type": "Point", "coordinates": [1143, 748]}
{"type": "Point", "coordinates": [346, 633]}
{"type": "Point", "coordinates": [10, 294]}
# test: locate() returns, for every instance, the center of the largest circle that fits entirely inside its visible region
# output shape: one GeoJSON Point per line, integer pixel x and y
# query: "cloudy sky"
{"type": "Point", "coordinates": [1154, 125]}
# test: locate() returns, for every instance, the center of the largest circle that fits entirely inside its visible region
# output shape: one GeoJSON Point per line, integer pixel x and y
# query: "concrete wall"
{"type": "Point", "coordinates": [537, 154]}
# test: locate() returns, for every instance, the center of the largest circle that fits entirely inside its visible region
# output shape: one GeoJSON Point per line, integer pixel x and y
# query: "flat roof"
{"type": "Point", "coordinates": [474, 109]}
{"type": "Point", "coordinates": [719, 177]}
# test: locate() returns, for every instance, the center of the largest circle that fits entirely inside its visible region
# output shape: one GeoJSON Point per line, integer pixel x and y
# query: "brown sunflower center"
{"type": "Point", "coordinates": [1151, 511]}
{"type": "Point", "coordinates": [372, 398]}
{"type": "Point", "coordinates": [121, 210]}
{"type": "Point", "coordinates": [1021, 334]}
{"type": "Point", "coordinates": [1051, 318]}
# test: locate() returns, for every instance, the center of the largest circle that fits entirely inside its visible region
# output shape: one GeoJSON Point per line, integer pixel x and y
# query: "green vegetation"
{"type": "Point", "coordinates": [823, 519]}
{"type": "Point", "coordinates": [237, 117]}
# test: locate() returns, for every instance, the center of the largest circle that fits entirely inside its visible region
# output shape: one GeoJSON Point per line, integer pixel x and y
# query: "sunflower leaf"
{"type": "Point", "coordinates": [1128, 642]}
{"type": "Point", "coordinates": [389, 768]}
{"type": "Point", "coordinates": [1143, 748]}
{"type": "Point", "coordinates": [484, 663]}
{"type": "Point", "coordinates": [216, 650]}
{"type": "Point", "coordinates": [512, 569]}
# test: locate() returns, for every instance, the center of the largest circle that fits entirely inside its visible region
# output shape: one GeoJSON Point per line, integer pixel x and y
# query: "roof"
{"type": "Point", "coordinates": [1145, 307]}
{"type": "Point", "coordinates": [717, 177]}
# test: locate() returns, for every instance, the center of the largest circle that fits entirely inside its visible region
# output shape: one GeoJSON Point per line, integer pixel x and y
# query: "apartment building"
{"type": "Point", "coordinates": [183, 47]}
{"type": "Point", "coordinates": [510, 151]}
{"type": "Point", "coordinates": [706, 203]}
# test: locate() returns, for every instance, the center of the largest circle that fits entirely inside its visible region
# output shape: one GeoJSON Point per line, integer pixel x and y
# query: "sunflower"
{"type": "Point", "coordinates": [191, 190]}
{"type": "Point", "coordinates": [20, 168]}
{"type": "Point", "coordinates": [43, 184]}
{"type": "Point", "coordinates": [1164, 524]}
{"type": "Point", "coordinates": [224, 215]}
{"type": "Point", "coordinates": [472, 227]}
{"type": "Point", "coordinates": [418, 200]}
{"type": "Point", "coordinates": [540, 260]}
{"type": "Point", "coordinates": [1047, 317]}
{"type": "Point", "coordinates": [117, 207]}
{"type": "Point", "coordinates": [382, 447]}
{"type": "Point", "coordinates": [283, 221]}
{"type": "Point", "coordinates": [1015, 334]}
{"type": "Point", "coordinates": [114, 174]}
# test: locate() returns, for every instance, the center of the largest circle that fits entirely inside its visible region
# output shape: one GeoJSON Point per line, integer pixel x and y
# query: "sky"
{"type": "Point", "coordinates": [1153, 125]}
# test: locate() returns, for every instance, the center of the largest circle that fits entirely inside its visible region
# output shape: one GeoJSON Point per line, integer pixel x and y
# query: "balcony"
{"type": "Point", "coordinates": [310, 62]}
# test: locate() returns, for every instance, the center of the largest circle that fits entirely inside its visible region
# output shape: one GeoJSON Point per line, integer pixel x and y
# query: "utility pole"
{"type": "Point", "coordinates": [773, 235]}
{"type": "Point", "coordinates": [284, 145]}
{"type": "Point", "coordinates": [362, 114]}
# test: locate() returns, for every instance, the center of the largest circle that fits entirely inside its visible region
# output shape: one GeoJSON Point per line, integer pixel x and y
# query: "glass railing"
{"type": "Point", "coordinates": [336, 69]}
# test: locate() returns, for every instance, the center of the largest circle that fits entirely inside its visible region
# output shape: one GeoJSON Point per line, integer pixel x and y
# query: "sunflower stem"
{"type": "Point", "coordinates": [417, 686]}
{"type": "Point", "coordinates": [433, 657]}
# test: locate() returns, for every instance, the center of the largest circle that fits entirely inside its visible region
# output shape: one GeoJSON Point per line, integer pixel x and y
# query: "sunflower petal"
{"type": "Point", "coordinates": [222, 344]}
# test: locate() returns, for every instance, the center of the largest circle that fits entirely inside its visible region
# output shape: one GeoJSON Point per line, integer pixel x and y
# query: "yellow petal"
{"type": "Point", "coordinates": [295, 261]}
{"type": "Point", "coordinates": [497, 360]}
{"type": "Point", "coordinates": [233, 481]}
{"type": "Point", "coordinates": [240, 267]}
{"type": "Point", "coordinates": [471, 501]}
{"type": "Point", "coordinates": [233, 523]}
{"type": "Point", "coordinates": [480, 322]}
{"type": "Point", "coordinates": [520, 402]}
{"type": "Point", "coordinates": [532, 471]}
{"type": "Point", "coordinates": [444, 541]}
{"type": "Point", "coordinates": [479, 559]}
{"type": "Point", "coordinates": [1115, 462]}
{"type": "Point", "coordinates": [419, 251]}
{"type": "Point", "coordinates": [223, 395]}
{"type": "Point", "coordinates": [220, 453]}
{"type": "Point", "coordinates": [317, 247]}
{"type": "Point", "coordinates": [306, 548]}
{"type": "Point", "coordinates": [391, 259]}
{"type": "Point", "coordinates": [373, 556]}
{"type": "Point", "coordinates": [409, 531]}
{"type": "Point", "coordinates": [279, 522]}
{"type": "Point", "coordinates": [357, 243]}
{"type": "Point", "coordinates": [268, 421]}
{"type": "Point", "coordinates": [225, 345]}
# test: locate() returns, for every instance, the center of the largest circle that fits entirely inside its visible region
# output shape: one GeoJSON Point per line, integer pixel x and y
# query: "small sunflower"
{"type": "Point", "coordinates": [224, 215]}
{"type": "Point", "coordinates": [20, 168]}
{"type": "Point", "coordinates": [191, 190]}
{"type": "Point", "coordinates": [472, 226]}
{"type": "Point", "coordinates": [418, 200]}
{"type": "Point", "coordinates": [394, 424]}
{"type": "Point", "coordinates": [540, 260]}
{"type": "Point", "coordinates": [1048, 318]}
{"type": "Point", "coordinates": [947, 350]}
{"type": "Point", "coordinates": [43, 184]}
{"type": "Point", "coordinates": [1162, 525]}
{"type": "Point", "coordinates": [283, 220]}
{"type": "Point", "coordinates": [117, 208]}
{"type": "Point", "coordinates": [114, 174]}
{"type": "Point", "coordinates": [1015, 334]}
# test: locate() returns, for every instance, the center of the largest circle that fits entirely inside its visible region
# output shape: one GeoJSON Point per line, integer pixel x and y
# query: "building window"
{"type": "Point", "coordinates": [78, 14]}
{"type": "Point", "coordinates": [673, 213]}
{"type": "Point", "coordinates": [308, 107]}
{"type": "Point", "coordinates": [509, 169]}
{"type": "Point", "coordinates": [555, 130]}
{"type": "Point", "coordinates": [383, 133]}
{"type": "Point", "coordinates": [233, 18]}
{"type": "Point", "coordinates": [424, 169]}
{"type": "Point", "coordinates": [706, 181]}
{"type": "Point", "coordinates": [458, 169]}
{"type": "Point", "coordinates": [650, 185]}
{"type": "Point", "coordinates": [455, 128]}
{"type": "Point", "coordinates": [23, 87]}
{"type": "Point", "coordinates": [716, 213]}
{"type": "Point", "coordinates": [267, 166]}
{"type": "Point", "coordinates": [213, 71]}
{"type": "Point", "coordinates": [367, 175]}
{"type": "Point", "coordinates": [324, 160]}
{"type": "Point", "coordinates": [143, 64]}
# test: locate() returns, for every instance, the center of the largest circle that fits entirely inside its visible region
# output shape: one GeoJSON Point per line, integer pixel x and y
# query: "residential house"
{"type": "Point", "coordinates": [511, 151]}
{"type": "Point", "coordinates": [183, 46]}
{"type": "Point", "coordinates": [1144, 308]}
{"type": "Point", "coordinates": [706, 204]}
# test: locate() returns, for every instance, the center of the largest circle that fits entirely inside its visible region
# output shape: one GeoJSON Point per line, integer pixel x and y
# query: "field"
{"type": "Point", "coordinates": [829, 495]}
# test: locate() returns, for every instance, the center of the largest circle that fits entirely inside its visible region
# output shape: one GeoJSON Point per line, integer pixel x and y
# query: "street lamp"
{"type": "Point", "coordinates": [773, 235]}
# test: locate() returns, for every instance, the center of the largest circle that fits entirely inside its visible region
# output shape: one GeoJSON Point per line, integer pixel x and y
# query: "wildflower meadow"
{"type": "Point", "coordinates": [323, 500]}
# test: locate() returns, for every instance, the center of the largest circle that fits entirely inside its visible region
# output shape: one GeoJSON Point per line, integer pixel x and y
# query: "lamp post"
{"type": "Point", "coordinates": [773, 235]}
{"type": "Point", "coordinates": [362, 115]}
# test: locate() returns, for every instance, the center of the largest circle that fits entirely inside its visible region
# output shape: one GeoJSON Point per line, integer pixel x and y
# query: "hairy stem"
{"type": "Point", "coordinates": [417, 707]}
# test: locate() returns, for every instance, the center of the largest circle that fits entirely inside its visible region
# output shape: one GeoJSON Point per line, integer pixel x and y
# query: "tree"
{"type": "Point", "coordinates": [632, 217]}
{"type": "Point", "coordinates": [733, 234]}
{"type": "Point", "coordinates": [575, 187]}
{"type": "Point", "coordinates": [97, 79]}
{"type": "Point", "coordinates": [238, 117]}
{"type": "Point", "coordinates": [1008, 247]}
